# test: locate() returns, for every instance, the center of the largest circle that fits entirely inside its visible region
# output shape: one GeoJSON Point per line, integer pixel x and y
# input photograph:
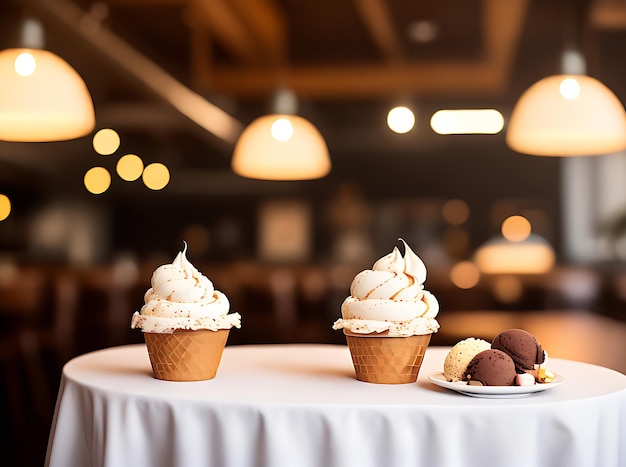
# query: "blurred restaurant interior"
{"type": "Point", "coordinates": [509, 239]}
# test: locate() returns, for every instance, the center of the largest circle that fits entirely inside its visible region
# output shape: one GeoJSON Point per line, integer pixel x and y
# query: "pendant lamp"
{"type": "Point", "coordinates": [534, 255]}
{"type": "Point", "coordinates": [281, 146]}
{"type": "Point", "coordinates": [567, 115]}
{"type": "Point", "coordinates": [42, 98]}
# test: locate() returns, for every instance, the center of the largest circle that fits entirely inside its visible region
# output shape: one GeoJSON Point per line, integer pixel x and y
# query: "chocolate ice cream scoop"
{"type": "Point", "coordinates": [491, 368]}
{"type": "Point", "coordinates": [522, 347]}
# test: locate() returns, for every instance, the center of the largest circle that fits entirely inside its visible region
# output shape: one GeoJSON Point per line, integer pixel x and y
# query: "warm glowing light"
{"type": "Point", "coordinates": [25, 64]}
{"type": "Point", "coordinates": [544, 123]}
{"type": "Point", "coordinates": [97, 180]}
{"type": "Point", "coordinates": [156, 176]}
{"type": "Point", "coordinates": [42, 98]}
{"type": "Point", "coordinates": [5, 207]}
{"type": "Point", "coordinates": [455, 211]}
{"type": "Point", "coordinates": [508, 289]}
{"type": "Point", "coordinates": [423, 31]}
{"type": "Point", "coordinates": [259, 155]}
{"type": "Point", "coordinates": [465, 275]}
{"type": "Point", "coordinates": [467, 121]}
{"type": "Point", "coordinates": [516, 228]}
{"type": "Point", "coordinates": [500, 256]}
{"type": "Point", "coordinates": [282, 129]}
{"type": "Point", "coordinates": [401, 119]}
{"type": "Point", "coordinates": [569, 88]}
{"type": "Point", "coordinates": [129, 167]}
{"type": "Point", "coordinates": [106, 141]}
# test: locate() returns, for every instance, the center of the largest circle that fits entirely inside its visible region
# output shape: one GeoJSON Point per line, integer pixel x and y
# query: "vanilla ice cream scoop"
{"type": "Point", "coordinates": [459, 356]}
{"type": "Point", "coordinates": [181, 297]}
{"type": "Point", "coordinates": [390, 298]}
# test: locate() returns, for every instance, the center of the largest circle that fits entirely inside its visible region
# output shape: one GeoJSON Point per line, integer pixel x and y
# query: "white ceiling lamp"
{"type": "Point", "coordinates": [571, 114]}
{"type": "Point", "coordinates": [567, 115]}
{"type": "Point", "coordinates": [534, 255]}
{"type": "Point", "coordinates": [467, 121]}
{"type": "Point", "coordinates": [516, 251]}
{"type": "Point", "coordinates": [400, 119]}
{"type": "Point", "coordinates": [281, 146]}
{"type": "Point", "coordinates": [42, 98]}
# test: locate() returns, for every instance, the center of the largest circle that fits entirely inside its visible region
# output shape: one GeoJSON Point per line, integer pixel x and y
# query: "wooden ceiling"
{"type": "Point", "coordinates": [337, 49]}
{"type": "Point", "coordinates": [355, 48]}
{"type": "Point", "coordinates": [320, 49]}
{"type": "Point", "coordinates": [346, 60]}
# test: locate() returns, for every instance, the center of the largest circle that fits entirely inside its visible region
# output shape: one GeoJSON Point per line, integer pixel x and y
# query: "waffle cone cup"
{"type": "Point", "coordinates": [387, 360]}
{"type": "Point", "coordinates": [186, 355]}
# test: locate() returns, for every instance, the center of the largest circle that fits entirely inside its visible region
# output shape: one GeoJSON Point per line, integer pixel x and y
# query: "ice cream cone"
{"type": "Point", "coordinates": [387, 360]}
{"type": "Point", "coordinates": [186, 355]}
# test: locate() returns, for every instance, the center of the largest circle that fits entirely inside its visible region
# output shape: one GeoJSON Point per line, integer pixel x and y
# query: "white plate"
{"type": "Point", "coordinates": [493, 392]}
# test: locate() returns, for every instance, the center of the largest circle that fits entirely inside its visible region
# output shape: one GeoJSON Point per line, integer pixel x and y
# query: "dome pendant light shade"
{"type": "Point", "coordinates": [498, 255]}
{"type": "Point", "coordinates": [281, 147]}
{"type": "Point", "coordinates": [567, 115]}
{"type": "Point", "coordinates": [42, 98]}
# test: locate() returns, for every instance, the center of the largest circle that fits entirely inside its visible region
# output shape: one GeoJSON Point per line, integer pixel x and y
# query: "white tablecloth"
{"type": "Point", "coordinates": [300, 406]}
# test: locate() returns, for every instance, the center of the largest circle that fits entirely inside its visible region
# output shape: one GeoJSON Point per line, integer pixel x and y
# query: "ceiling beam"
{"type": "Point", "coordinates": [145, 3]}
{"type": "Point", "coordinates": [103, 41]}
{"type": "Point", "coordinates": [254, 31]}
{"type": "Point", "coordinates": [608, 14]}
{"type": "Point", "coordinates": [219, 17]}
{"type": "Point", "coordinates": [358, 81]}
{"type": "Point", "coordinates": [377, 19]}
{"type": "Point", "coordinates": [488, 76]}
{"type": "Point", "coordinates": [249, 29]}
{"type": "Point", "coordinates": [200, 54]}
{"type": "Point", "coordinates": [267, 25]}
{"type": "Point", "coordinates": [504, 23]}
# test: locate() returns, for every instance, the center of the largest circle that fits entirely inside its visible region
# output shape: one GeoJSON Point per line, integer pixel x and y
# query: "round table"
{"type": "Point", "coordinates": [299, 405]}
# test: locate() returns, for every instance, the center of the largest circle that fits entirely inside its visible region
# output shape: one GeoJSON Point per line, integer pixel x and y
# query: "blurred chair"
{"type": "Point", "coordinates": [21, 301]}
{"type": "Point", "coordinates": [573, 287]}
{"type": "Point", "coordinates": [38, 308]}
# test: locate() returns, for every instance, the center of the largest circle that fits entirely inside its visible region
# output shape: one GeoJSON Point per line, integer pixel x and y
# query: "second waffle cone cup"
{"type": "Point", "coordinates": [387, 360]}
{"type": "Point", "coordinates": [186, 355]}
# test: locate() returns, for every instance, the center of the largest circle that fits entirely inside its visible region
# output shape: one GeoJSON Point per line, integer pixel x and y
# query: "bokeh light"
{"type": "Point", "coordinates": [508, 289]}
{"type": "Point", "coordinates": [97, 180]}
{"type": "Point", "coordinates": [5, 207]}
{"type": "Point", "coordinates": [106, 141]}
{"type": "Point", "coordinates": [423, 31]}
{"type": "Point", "coordinates": [25, 64]}
{"type": "Point", "coordinates": [516, 228]}
{"type": "Point", "coordinates": [465, 275]}
{"type": "Point", "coordinates": [467, 121]}
{"type": "Point", "coordinates": [569, 89]}
{"type": "Point", "coordinates": [282, 129]}
{"type": "Point", "coordinates": [129, 167]}
{"type": "Point", "coordinates": [401, 119]}
{"type": "Point", "coordinates": [501, 256]}
{"type": "Point", "coordinates": [156, 176]}
{"type": "Point", "coordinates": [455, 211]}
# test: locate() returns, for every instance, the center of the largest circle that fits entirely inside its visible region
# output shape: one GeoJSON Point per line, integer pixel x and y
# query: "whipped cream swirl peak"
{"type": "Point", "coordinates": [181, 297]}
{"type": "Point", "coordinates": [410, 264]}
{"type": "Point", "coordinates": [180, 281]}
{"type": "Point", "coordinates": [390, 298]}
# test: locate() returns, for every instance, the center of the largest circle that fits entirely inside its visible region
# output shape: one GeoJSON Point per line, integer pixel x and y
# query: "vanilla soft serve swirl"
{"type": "Point", "coordinates": [181, 297]}
{"type": "Point", "coordinates": [390, 298]}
